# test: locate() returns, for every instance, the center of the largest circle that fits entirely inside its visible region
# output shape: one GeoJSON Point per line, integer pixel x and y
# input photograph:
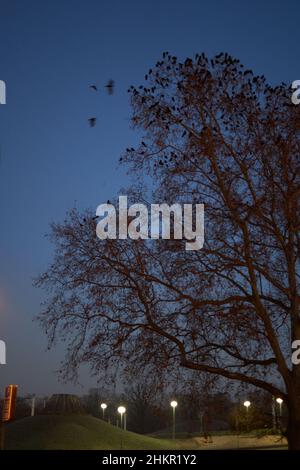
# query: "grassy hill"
{"type": "Point", "coordinates": [86, 432]}
{"type": "Point", "coordinates": [75, 432]}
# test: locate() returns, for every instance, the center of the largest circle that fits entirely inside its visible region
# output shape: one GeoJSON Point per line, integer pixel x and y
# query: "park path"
{"type": "Point", "coordinates": [242, 442]}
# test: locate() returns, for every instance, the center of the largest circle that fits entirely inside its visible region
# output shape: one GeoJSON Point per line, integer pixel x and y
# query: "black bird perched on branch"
{"type": "Point", "coordinates": [110, 87]}
{"type": "Point", "coordinates": [86, 220]}
{"type": "Point", "coordinates": [92, 121]}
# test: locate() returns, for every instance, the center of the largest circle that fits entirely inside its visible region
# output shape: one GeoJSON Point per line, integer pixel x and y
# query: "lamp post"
{"type": "Point", "coordinates": [279, 401]}
{"type": "Point", "coordinates": [247, 404]}
{"type": "Point", "coordinates": [173, 405]}
{"type": "Point", "coordinates": [103, 406]}
{"type": "Point", "coordinates": [32, 406]}
{"type": "Point", "coordinates": [279, 421]}
{"type": "Point", "coordinates": [122, 411]}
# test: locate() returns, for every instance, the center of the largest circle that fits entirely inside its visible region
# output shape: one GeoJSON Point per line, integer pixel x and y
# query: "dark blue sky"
{"type": "Point", "coordinates": [49, 53]}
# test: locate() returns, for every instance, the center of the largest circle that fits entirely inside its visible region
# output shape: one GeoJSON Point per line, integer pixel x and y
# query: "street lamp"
{"type": "Point", "coordinates": [103, 406]}
{"type": "Point", "coordinates": [280, 401]}
{"type": "Point", "coordinates": [247, 404]}
{"type": "Point", "coordinates": [173, 405]}
{"type": "Point", "coordinates": [122, 411]}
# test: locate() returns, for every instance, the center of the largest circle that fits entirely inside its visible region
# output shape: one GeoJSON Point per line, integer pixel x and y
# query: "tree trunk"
{"type": "Point", "coordinates": [293, 433]}
{"type": "Point", "coordinates": [293, 428]}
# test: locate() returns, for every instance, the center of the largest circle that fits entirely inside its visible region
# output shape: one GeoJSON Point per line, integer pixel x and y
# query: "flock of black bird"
{"type": "Point", "coordinates": [110, 89]}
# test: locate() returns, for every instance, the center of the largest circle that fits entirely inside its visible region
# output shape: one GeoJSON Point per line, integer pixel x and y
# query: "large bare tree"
{"type": "Point", "coordinates": [213, 133]}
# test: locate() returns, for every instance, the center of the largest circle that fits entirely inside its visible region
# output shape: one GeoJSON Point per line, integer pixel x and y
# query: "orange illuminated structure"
{"type": "Point", "coordinates": [9, 404]}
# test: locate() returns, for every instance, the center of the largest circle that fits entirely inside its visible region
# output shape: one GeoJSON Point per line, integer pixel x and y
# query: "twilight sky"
{"type": "Point", "coordinates": [51, 160]}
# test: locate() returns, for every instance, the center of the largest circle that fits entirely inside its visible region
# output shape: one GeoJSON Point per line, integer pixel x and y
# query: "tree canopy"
{"type": "Point", "coordinates": [213, 133]}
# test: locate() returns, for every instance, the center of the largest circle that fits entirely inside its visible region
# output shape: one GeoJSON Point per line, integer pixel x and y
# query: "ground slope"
{"type": "Point", "coordinates": [75, 432]}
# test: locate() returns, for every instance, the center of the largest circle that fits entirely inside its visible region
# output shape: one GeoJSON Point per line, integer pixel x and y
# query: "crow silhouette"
{"type": "Point", "coordinates": [92, 121]}
{"type": "Point", "coordinates": [110, 87]}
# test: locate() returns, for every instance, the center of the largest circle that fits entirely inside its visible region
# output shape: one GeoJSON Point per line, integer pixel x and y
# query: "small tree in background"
{"type": "Point", "coordinates": [64, 404]}
{"type": "Point", "coordinates": [144, 413]}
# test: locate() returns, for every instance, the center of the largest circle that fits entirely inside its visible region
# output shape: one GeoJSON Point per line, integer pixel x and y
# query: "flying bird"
{"type": "Point", "coordinates": [92, 121]}
{"type": "Point", "coordinates": [110, 87]}
{"type": "Point", "coordinates": [94, 87]}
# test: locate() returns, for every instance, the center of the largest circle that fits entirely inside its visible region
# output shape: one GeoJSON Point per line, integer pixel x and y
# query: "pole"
{"type": "Point", "coordinates": [2, 435]}
{"type": "Point", "coordinates": [32, 406]}
{"type": "Point", "coordinates": [280, 409]}
{"type": "Point", "coordinates": [173, 431]}
{"type": "Point", "coordinates": [121, 431]}
{"type": "Point", "coordinates": [237, 426]}
{"type": "Point", "coordinates": [279, 421]}
{"type": "Point", "coordinates": [125, 426]}
{"type": "Point", "coordinates": [103, 411]}
{"type": "Point", "coordinates": [274, 414]}
{"type": "Point", "coordinates": [247, 414]}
